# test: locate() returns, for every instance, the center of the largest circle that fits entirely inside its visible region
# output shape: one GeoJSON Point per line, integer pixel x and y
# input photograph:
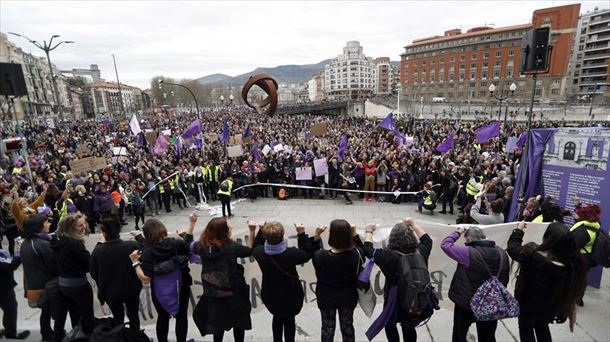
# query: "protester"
{"type": "Point", "coordinates": [281, 290]}
{"type": "Point", "coordinates": [549, 280]}
{"type": "Point", "coordinates": [336, 273]}
{"type": "Point", "coordinates": [405, 238]}
{"type": "Point", "coordinates": [72, 259]}
{"type": "Point", "coordinates": [38, 270]}
{"type": "Point", "coordinates": [225, 303]}
{"type": "Point", "coordinates": [8, 300]}
{"type": "Point", "coordinates": [159, 253]}
{"type": "Point", "coordinates": [477, 261]}
{"type": "Point", "coordinates": [224, 194]}
{"type": "Point", "coordinates": [117, 283]}
{"type": "Point", "coordinates": [21, 209]}
{"type": "Point", "coordinates": [494, 217]}
{"type": "Point", "coordinates": [426, 199]}
{"type": "Point", "coordinates": [588, 219]}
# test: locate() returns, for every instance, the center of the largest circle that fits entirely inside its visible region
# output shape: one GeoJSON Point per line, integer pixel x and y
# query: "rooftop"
{"type": "Point", "coordinates": [468, 34]}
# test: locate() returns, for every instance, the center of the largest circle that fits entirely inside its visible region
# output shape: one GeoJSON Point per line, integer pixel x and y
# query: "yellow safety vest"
{"type": "Point", "coordinates": [477, 147]}
{"type": "Point", "coordinates": [228, 192]}
{"type": "Point", "coordinates": [428, 200]}
{"type": "Point", "coordinates": [588, 248]}
{"type": "Point", "coordinates": [63, 211]}
{"type": "Point", "coordinates": [538, 219]}
{"type": "Point", "coordinates": [173, 183]}
{"type": "Point", "coordinates": [471, 188]}
{"type": "Point", "coordinates": [17, 170]}
{"type": "Point", "coordinates": [161, 187]}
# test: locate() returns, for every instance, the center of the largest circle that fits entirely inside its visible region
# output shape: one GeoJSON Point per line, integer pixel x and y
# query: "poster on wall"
{"type": "Point", "coordinates": [575, 164]}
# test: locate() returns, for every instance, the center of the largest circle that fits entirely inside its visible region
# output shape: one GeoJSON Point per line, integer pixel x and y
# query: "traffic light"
{"type": "Point", "coordinates": [535, 49]}
{"type": "Point", "coordinates": [160, 83]}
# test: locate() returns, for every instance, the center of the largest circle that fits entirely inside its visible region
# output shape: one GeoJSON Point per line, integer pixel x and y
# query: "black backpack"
{"type": "Point", "coordinates": [416, 295]}
{"type": "Point", "coordinates": [224, 186]}
{"type": "Point", "coordinates": [119, 333]}
{"type": "Point", "coordinates": [600, 253]}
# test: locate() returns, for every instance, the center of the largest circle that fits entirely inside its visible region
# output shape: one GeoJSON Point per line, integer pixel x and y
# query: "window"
{"type": "Point", "coordinates": [473, 75]}
{"type": "Point", "coordinates": [509, 72]}
{"type": "Point", "coordinates": [462, 58]}
{"type": "Point", "coordinates": [442, 61]}
{"type": "Point", "coordinates": [485, 64]}
{"type": "Point", "coordinates": [482, 94]}
{"type": "Point", "coordinates": [473, 65]}
{"type": "Point", "coordinates": [461, 77]}
{"type": "Point", "coordinates": [451, 77]}
{"type": "Point", "coordinates": [498, 53]}
{"type": "Point", "coordinates": [538, 92]}
{"type": "Point", "coordinates": [554, 91]}
{"type": "Point", "coordinates": [472, 84]}
{"type": "Point", "coordinates": [511, 53]}
{"type": "Point", "coordinates": [462, 66]}
{"type": "Point", "coordinates": [556, 81]}
{"type": "Point", "coordinates": [496, 74]}
{"type": "Point", "coordinates": [460, 94]}
{"type": "Point", "coordinates": [485, 56]}
{"type": "Point", "coordinates": [510, 63]}
{"type": "Point", "coordinates": [497, 65]}
{"type": "Point", "coordinates": [474, 56]}
{"type": "Point", "coordinates": [432, 62]}
{"type": "Point", "coordinates": [483, 84]}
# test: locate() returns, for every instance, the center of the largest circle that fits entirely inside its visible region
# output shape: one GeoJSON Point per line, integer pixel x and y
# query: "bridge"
{"type": "Point", "coordinates": [325, 108]}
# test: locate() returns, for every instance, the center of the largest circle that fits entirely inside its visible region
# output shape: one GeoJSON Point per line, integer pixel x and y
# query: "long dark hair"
{"type": "Point", "coordinates": [559, 244]}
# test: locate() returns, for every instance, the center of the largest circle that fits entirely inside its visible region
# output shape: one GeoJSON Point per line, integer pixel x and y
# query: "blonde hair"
{"type": "Point", "coordinates": [66, 227]}
{"type": "Point", "coordinates": [273, 232]}
{"type": "Point", "coordinates": [81, 188]}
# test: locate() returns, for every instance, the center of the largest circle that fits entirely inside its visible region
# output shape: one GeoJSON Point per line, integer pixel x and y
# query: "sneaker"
{"type": "Point", "coordinates": [20, 336]}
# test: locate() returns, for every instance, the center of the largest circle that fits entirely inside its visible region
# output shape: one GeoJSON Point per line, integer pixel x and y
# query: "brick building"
{"type": "Point", "coordinates": [461, 65]}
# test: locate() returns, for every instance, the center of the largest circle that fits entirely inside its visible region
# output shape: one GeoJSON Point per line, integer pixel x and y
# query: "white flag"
{"type": "Point", "coordinates": [135, 125]}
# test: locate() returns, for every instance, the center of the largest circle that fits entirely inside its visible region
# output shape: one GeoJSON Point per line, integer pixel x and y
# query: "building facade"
{"type": "Point", "coordinates": [591, 60]}
{"type": "Point", "coordinates": [40, 101]}
{"type": "Point", "coordinates": [315, 88]}
{"type": "Point", "coordinates": [351, 75]}
{"type": "Point", "coordinates": [107, 101]}
{"type": "Point", "coordinates": [460, 66]}
{"type": "Point", "coordinates": [384, 76]}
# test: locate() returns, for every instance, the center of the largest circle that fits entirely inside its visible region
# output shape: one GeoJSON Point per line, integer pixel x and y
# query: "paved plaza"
{"type": "Point", "coordinates": [593, 318]}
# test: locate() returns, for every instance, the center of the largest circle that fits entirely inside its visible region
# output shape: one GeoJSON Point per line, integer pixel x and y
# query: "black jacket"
{"type": "Point", "coordinates": [7, 266]}
{"type": "Point", "coordinates": [71, 257]}
{"type": "Point", "coordinates": [38, 264]}
{"type": "Point", "coordinates": [111, 269]}
{"type": "Point", "coordinates": [281, 289]}
{"type": "Point", "coordinates": [336, 277]}
{"type": "Point", "coordinates": [163, 251]}
{"type": "Point", "coordinates": [466, 281]}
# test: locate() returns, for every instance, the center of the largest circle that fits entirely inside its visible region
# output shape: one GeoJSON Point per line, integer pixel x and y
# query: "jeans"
{"type": "Point", "coordinates": [533, 329]}
{"type": "Point", "coordinates": [462, 319]}
{"type": "Point", "coordinates": [346, 323]}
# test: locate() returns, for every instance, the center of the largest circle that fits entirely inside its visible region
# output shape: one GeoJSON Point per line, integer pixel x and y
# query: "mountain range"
{"type": "Point", "coordinates": [288, 74]}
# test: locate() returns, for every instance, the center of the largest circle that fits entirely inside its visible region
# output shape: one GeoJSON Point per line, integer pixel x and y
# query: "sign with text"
{"type": "Point", "coordinates": [151, 137]}
{"type": "Point", "coordinates": [83, 165]}
{"type": "Point", "coordinates": [235, 151]}
{"type": "Point", "coordinates": [321, 167]}
{"type": "Point", "coordinates": [319, 129]}
{"type": "Point", "coordinates": [303, 173]}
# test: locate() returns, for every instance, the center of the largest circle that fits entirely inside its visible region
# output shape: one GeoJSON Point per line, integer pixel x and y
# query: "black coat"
{"type": "Point", "coordinates": [38, 263]}
{"type": "Point", "coordinates": [336, 277]}
{"type": "Point", "coordinates": [112, 271]}
{"type": "Point", "coordinates": [281, 289]}
{"type": "Point", "coordinates": [217, 314]}
{"type": "Point", "coordinates": [7, 266]}
{"type": "Point", "coordinates": [71, 257]}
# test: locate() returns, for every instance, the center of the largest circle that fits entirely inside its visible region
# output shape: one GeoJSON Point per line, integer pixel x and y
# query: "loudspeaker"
{"type": "Point", "coordinates": [12, 82]}
{"type": "Point", "coordinates": [535, 50]}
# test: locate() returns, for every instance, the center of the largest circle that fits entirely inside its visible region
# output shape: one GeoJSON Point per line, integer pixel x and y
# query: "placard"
{"type": "Point", "coordinates": [82, 151]}
{"type": "Point", "coordinates": [318, 130]}
{"type": "Point", "coordinates": [167, 132]}
{"type": "Point", "coordinates": [303, 173]}
{"type": "Point", "coordinates": [151, 137]}
{"type": "Point", "coordinates": [212, 137]}
{"type": "Point", "coordinates": [119, 151]}
{"type": "Point", "coordinates": [238, 139]}
{"type": "Point", "coordinates": [266, 150]}
{"type": "Point", "coordinates": [235, 151]}
{"type": "Point", "coordinates": [288, 149]}
{"type": "Point", "coordinates": [321, 167]}
{"type": "Point", "coordinates": [278, 148]}
{"type": "Point", "coordinates": [79, 166]}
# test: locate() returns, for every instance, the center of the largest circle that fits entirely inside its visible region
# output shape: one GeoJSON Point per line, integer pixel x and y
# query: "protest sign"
{"type": "Point", "coordinates": [266, 150]}
{"type": "Point", "coordinates": [79, 166]}
{"type": "Point", "coordinates": [511, 144]}
{"type": "Point", "coordinates": [303, 173]}
{"type": "Point", "coordinates": [167, 132]}
{"type": "Point", "coordinates": [321, 167]}
{"type": "Point", "coordinates": [235, 151]}
{"type": "Point", "coordinates": [119, 151]}
{"type": "Point", "coordinates": [246, 140]}
{"type": "Point", "coordinates": [238, 139]}
{"type": "Point", "coordinates": [151, 137]}
{"type": "Point", "coordinates": [288, 149]}
{"type": "Point", "coordinates": [277, 148]}
{"type": "Point", "coordinates": [212, 137]}
{"type": "Point", "coordinates": [319, 129]}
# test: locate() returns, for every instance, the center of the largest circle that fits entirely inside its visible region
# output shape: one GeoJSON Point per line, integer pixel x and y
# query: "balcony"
{"type": "Point", "coordinates": [600, 29]}
{"type": "Point", "coordinates": [603, 73]}
{"type": "Point", "coordinates": [604, 54]}
{"type": "Point", "coordinates": [594, 65]}
{"type": "Point", "coordinates": [597, 47]}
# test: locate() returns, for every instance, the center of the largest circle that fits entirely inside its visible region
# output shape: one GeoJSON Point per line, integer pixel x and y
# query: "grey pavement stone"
{"type": "Point", "coordinates": [593, 318]}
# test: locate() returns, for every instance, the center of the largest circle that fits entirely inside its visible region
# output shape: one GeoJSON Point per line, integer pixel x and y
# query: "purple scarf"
{"type": "Point", "coordinates": [43, 236]}
{"type": "Point", "coordinates": [276, 249]}
{"type": "Point", "coordinates": [388, 312]}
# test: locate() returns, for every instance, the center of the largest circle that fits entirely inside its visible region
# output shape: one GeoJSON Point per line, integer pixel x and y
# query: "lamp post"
{"type": "Point", "coordinates": [501, 97]}
{"type": "Point", "coordinates": [421, 107]}
{"type": "Point", "coordinates": [398, 91]}
{"type": "Point", "coordinates": [231, 98]}
{"type": "Point", "coordinates": [47, 48]}
{"type": "Point", "coordinates": [222, 100]}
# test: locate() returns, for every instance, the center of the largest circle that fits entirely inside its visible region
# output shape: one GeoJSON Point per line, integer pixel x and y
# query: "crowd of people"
{"type": "Point", "coordinates": [56, 208]}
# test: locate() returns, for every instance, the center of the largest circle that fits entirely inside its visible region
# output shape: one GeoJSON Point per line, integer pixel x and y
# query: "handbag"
{"type": "Point", "coordinates": [366, 296]}
{"type": "Point", "coordinates": [33, 297]}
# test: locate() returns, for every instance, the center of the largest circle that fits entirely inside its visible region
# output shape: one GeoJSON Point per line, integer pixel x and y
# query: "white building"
{"type": "Point", "coordinates": [106, 99]}
{"type": "Point", "coordinates": [350, 75]}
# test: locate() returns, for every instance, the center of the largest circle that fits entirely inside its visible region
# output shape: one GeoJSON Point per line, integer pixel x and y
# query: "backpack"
{"type": "Point", "coordinates": [492, 301]}
{"type": "Point", "coordinates": [600, 253]}
{"type": "Point", "coordinates": [224, 186]}
{"type": "Point", "coordinates": [415, 292]}
{"type": "Point", "coordinates": [167, 283]}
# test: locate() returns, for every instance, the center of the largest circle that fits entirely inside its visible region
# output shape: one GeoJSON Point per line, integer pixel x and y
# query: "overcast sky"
{"type": "Point", "coordinates": [193, 39]}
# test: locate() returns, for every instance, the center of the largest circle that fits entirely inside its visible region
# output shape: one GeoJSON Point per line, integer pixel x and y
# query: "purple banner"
{"type": "Point", "coordinates": [569, 162]}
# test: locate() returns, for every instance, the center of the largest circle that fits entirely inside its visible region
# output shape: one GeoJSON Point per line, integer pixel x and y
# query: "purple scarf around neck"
{"type": "Point", "coordinates": [44, 236]}
{"type": "Point", "coordinates": [276, 249]}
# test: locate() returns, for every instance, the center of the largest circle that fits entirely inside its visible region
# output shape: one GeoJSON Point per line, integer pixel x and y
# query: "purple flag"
{"type": "Point", "coordinates": [343, 146]}
{"type": "Point", "coordinates": [485, 133]}
{"type": "Point", "coordinates": [446, 145]}
{"type": "Point", "coordinates": [256, 153]}
{"type": "Point", "coordinates": [178, 147]}
{"type": "Point", "coordinates": [141, 139]}
{"type": "Point", "coordinates": [161, 145]}
{"type": "Point", "coordinates": [198, 142]}
{"type": "Point", "coordinates": [192, 129]}
{"type": "Point", "coordinates": [247, 132]}
{"type": "Point", "coordinates": [226, 135]}
{"type": "Point", "coordinates": [521, 140]}
{"type": "Point", "coordinates": [389, 124]}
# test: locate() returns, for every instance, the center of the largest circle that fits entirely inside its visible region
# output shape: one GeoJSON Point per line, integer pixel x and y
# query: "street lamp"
{"type": "Point", "coordinates": [502, 97]}
{"type": "Point", "coordinates": [398, 91]}
{"type": "Point", "coordinates": [222, 100]}
{"type": "Point", "coordinates": [47, 48]}
{"type": "Point", "coordinates": [231, 98]}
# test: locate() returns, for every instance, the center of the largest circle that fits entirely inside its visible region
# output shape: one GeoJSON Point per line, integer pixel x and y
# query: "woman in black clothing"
{"type": "Point", "coordinates": [225, 303]}
{"type": "Point", "coordinates": [72, 259]}
{"type": "Point", "coordinates": [157, 249]}
{"type": "Point", "coordinates": [336, 272]}
{"type": "Point", "coordinates": [113, 273]}
{"type": "Point", "coordinates": [402, 240]}
{"type": "Point", "coordinates": [549, 281]}
{"type": "Point", "coordinates": [281, 289]}
{"type": "Point", "coordinates": [39, 268]}
{"type": "Point", "coordinates": [84, 204]}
